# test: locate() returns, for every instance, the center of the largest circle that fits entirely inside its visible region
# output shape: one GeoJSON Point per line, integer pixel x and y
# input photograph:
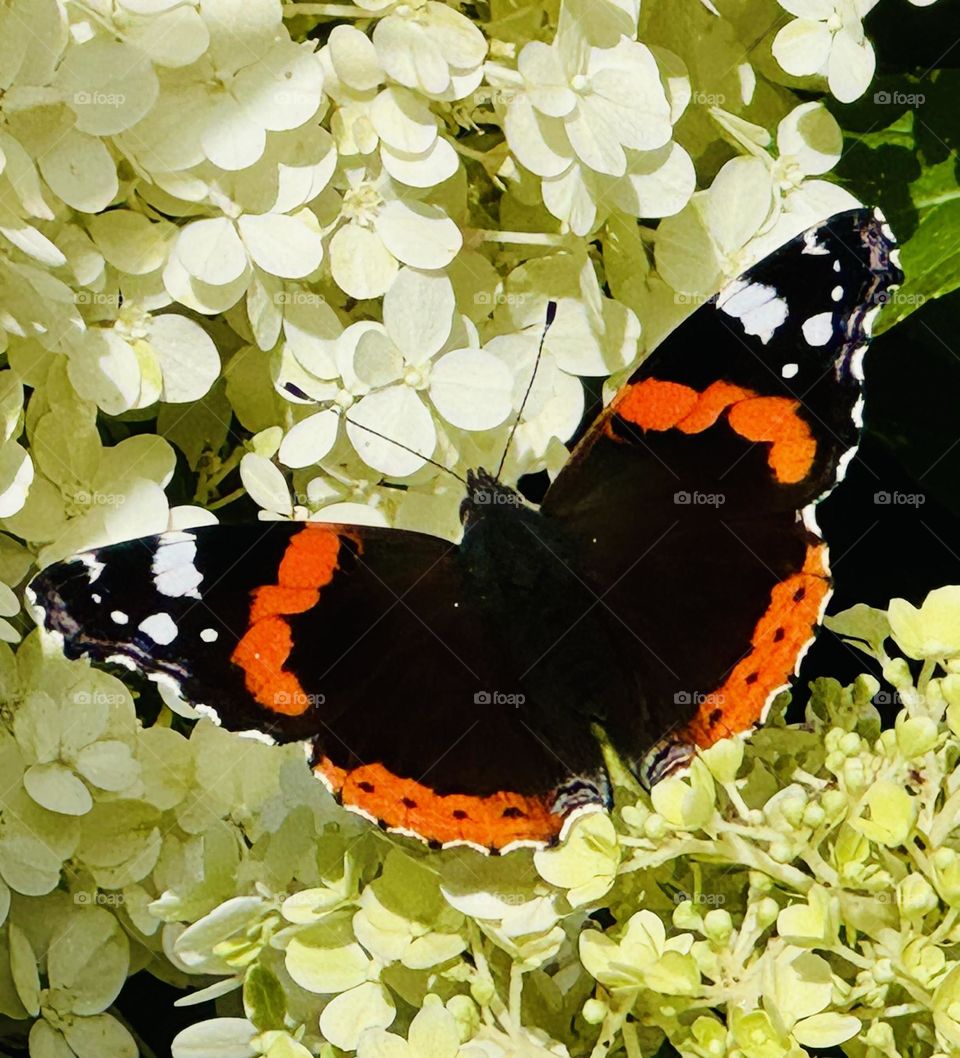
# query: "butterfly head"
{"type": "Point", "coordinates": [486, 496]}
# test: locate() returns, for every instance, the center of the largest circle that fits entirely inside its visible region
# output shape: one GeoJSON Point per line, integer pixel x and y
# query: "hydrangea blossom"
{"type": "Point", "coordinates": [826, 38]}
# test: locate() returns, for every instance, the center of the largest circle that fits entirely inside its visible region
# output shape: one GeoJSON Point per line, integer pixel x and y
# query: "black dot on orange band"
{"type": "Point", "coordinates": [513, 813]}
{"type": "Point", "coordinates": [753, 677]}
{"type": "Point", "coordinates": [367, 787]}
{"type": "Point", "coordinates": [458, 813]}
{"type": "Point", "coordinates": [715, 716]}
{"type": "Point", "coordinates": [408, 802]}
{"type": "Point", "coordinates": [799, 594]}
{"type": "Point", "coordinates": [778, 635]}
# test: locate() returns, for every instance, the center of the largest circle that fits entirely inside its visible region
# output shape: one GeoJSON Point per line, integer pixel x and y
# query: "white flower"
{"type": "Point", "coordinates": [595, 124]}
{"type": "Point", "coordinates": [251, 80]}
{"type": "Point", "coordinates": [428, 46]}
{"type": "Point", "coordinates": [87, 495]}
{"type": "Point", "coordinates": [755, 203]}
{"type": "Point", "coordinates": [397, 374]}
{"type": "Point", "coordinates": [382, 228]}
{"type": "Point", "coordinates": [826, 38]}
{"type": "Point", "coordinates": [396, 119]}
{"type": "Point", "coordinates": [141, 359]}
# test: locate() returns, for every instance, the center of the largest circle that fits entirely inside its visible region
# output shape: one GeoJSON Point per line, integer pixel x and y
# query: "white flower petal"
{"type": "Point", "coordinates": [211, 250]}
{"type": "Point", "coordinates": [437, 164]}
{"type": "Point", "coordinates": [399, 414]}
{"type": "Point", "coordinates": [80, 170]}
{"type": "Point", "coordinates": [289, 247]}
{"type": "Point", "coordinates": [109, 84]}
{"type": "Point", "coordinates": [852, 66]}
{"type": "Point", "coordinates": [802, 47]}
{"type": "Point", "coordinates": [418, 234]}
{"type": "Point", "coordinates": [403, 121]}
{"type": "Point", "coordinates": [472, 389]}
{"type": "Point", "coordinates": [188, 358]}
{"type": "Point", "coordinates": [310, 439]}
{"type": "Point", "coordinates": [418, 313]}
{"type": "Point", "coordinates": [538, 142]}
{"type": "Point", "coordinates": [354, 58]}
{"type": "Point", "coordinates": [16, 476]}
{"type": "Point", "coordinates": [266, 484]}
{"type": "Point", "coordinates": [360, 263]}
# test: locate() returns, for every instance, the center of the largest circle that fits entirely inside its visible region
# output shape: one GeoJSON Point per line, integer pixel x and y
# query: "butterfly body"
{"type": "Point", "coordinates": [665, 589]}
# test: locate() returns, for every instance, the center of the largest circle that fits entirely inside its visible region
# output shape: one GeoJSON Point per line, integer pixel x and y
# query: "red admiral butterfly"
{"type": "Point", "coordinates": [665, 590]}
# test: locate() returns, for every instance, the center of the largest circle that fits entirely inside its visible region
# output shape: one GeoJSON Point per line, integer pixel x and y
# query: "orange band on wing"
{"type": "Point", "coordinates": [656, 405]}
{"type": "Point", "coordinates": [492, 822]}
{"type": "Point", "coordinates": [787, 624]}
{"type": "Point", "coordinates": [308, 564]}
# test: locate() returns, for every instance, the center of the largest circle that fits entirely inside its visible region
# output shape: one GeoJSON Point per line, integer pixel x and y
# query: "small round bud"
{"type": "Point", "coordinates": [594, 1011]}
{"type": "Point", "coordinates": [814, 816]}
{"type": "Point", "coordinates": [718, 925]}
{"type": "Point", "coordinates": [897, 672]}
{"type": "Point", "coordinates": [654, 826]}
{"type": "Point", "coordinates": [767, 911]}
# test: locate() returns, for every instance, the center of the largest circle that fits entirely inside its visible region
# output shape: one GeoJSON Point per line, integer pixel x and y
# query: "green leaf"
{"type": "Point", "coordinates": [264, 1000]}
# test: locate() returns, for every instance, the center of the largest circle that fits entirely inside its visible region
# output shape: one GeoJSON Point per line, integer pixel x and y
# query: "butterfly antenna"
{"type": "Point", "coordinates": [551, 315]}
{"type": "Point", "coordinates": [295, 391]}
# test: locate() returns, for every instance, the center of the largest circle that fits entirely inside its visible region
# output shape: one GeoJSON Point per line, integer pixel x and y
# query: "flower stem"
{"type": "Point", "coordinates": [522, 238]}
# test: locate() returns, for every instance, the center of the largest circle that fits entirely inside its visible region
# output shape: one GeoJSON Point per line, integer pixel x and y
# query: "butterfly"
{"type": "Point", "coordinates": [662, 593]}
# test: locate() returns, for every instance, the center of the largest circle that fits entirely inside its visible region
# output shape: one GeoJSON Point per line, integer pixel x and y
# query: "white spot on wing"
{"type": "Point", "coordinates": [174, 566]}
{"type": "Point", "coordinates": [836, 293]}
{"type": "Point", "coordinates": [96, 598]}
{"type": "Point", "coordinates": [836, 265]}
{"type": "Point", "coordinates": [757, 306]}
{"type": "Point", "coordinates": [818, 329]}
{"type": "Point", "coordinates": [812, 245]}
{"type": "Point", "coordinates": [789, 370]}
{"type": "Point", "coordinates": [94, 567]}
{"type": "Point", "coordinates": [119, 617]}
{"type": "Point", "coordinates": [160, 627]}
{"type": "Point", "coordinates": [209, 635]}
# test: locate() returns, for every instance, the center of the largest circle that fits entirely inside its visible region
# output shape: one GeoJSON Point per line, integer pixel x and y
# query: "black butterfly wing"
{"type": "Point", "coordinates": [692, 495]}
{"type": "Point", "coordinates": [362, 641]}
